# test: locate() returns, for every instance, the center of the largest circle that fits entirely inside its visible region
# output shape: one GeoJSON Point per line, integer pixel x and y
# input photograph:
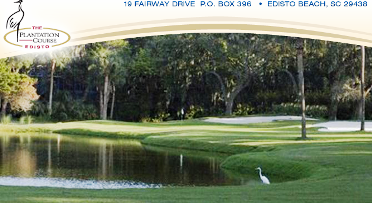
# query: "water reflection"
{"type": "Point", "coordinates": [83, 158]}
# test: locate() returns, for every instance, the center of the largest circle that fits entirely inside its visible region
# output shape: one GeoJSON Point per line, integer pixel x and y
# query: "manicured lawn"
{"type": "Point", "coordinates": [329, 167]}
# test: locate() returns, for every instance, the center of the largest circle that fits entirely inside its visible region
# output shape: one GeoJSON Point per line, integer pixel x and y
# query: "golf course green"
{"type": "Point", "coordinates": [327, 167]}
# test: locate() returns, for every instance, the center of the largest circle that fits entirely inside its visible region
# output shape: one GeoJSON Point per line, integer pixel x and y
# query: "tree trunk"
{"type": "Point", "coordinates": [105, 98]}
{"type": "Point", "coordinates": [86, 92]}
{"type": "Point", "coordinates": [300, 66]}
{"type": "Point", "coordinates": [4, 104]}
{"type": "Point", "coordinates": [229, 106]}
{"type": "Point", "coordinates": [100, 103]}
{"type": "Point", "coordinates": [112, 102]}
{"type": "Point", "coordinates": [362, 99]}
{"type": "Point", "coordinates": [358, 110]}
{"type": "Point", "coordinates": [294, 83]}
{"type": "Point", "coordinates": [333, 109]}
{"type": "Point", "coordinates": [51, 87]}
{"type": "Point", "coordinates": [229, 97]}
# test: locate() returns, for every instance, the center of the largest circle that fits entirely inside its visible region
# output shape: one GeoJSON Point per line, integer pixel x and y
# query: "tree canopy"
{"type": "Point", "coordinates": [153, 78]}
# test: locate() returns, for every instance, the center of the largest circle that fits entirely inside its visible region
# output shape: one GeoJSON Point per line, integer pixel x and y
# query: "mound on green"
{"type": "Point", "coordinates": [278, 168]}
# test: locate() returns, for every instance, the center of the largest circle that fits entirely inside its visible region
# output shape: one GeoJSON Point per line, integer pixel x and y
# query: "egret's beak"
{"type": "Point", "coordinates": [18, 2]}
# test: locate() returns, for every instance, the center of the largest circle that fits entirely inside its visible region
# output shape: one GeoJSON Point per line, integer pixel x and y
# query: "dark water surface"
{"type": "Point", "coordinates": [86, 160]}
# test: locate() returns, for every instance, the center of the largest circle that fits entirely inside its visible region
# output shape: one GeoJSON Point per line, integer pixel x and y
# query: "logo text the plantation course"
{"type": "Point", "coordinates": [37, 37]}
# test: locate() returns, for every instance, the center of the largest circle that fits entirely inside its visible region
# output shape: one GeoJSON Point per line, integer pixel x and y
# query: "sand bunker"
{"type": "Point", "coordinates": [342, 126]}
{"type": "Point", "coordinates": [258, 119]}
{"type": "Point", "coordinates": [331, 126]}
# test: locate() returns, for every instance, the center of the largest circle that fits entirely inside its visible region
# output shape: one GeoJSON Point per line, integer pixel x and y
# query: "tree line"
{"type": "Point", "coordinates": [153, 78]}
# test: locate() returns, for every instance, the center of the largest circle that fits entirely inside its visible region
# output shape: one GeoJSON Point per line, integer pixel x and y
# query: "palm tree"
{"type": "Point", "coordinates": [363, 102]}
{"type": "Point", "coordinates": [53, 66]}
{"type": "Point", "coordinates": [300, 66]}
{"type": "Point", "coordinates": [55, 59]}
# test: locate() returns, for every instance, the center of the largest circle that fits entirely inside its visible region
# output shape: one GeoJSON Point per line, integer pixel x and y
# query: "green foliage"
{"type": "Point", "coordinates": [22, 120]}
{"type": "Point", "coordinates": [209, 70]}
{"type": "Point", "coordinates": [66, 109]}
{"type": "Point", "coordinates": [146, 120]}
{"type": "Point", "coordinates": [15, 87]}
{"type": "Point", "coordinates": [264, 100]}
{"type": "Point", "coordinates": [194, 112]}
{"type": "Point", "coordinates": [317, 111]}
{"type": "Point", "coordinates": [318, 98]}
{"type": "Point", "coordinates": [39, 109]}
{"type": "Point", "coordinates": [20, 63]}
{"type": "Point", "coordinates": [5, 120]}
{"type": "Point", "coordinates": [243, 110]}
{"type": "Point", "coordinates": [74, 110]}
{"type": "Point", "coordinates": [29, 119]}
{"type": "Point", "coordinates": [314, 111]}
{"type": "Point", "coordinates": [144, 63]}
{"type": "Point", "coordinates": [26, 119]}
{"type": "Point", "coordinates": [268, 97]}
{"type": "Point", "coordinates": [160, 117]}
{"type": "Point", "coordinates": [22, 99]}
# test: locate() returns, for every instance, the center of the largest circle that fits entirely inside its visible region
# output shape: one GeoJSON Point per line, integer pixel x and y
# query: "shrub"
{"type": "Point", "coordinates": [264, 100]}
{"type": "Point", "coordinates": [39, 109]}
{"type": "Point", "coordinates": [160, 117]}
{"type": "Point", "coordinates": [318, 97]}
{"type": "Point", "coordinates": [194, 112]}
{"type": "Point", "coordinates": [243, 110]}
{"type": "Point", "coordinates": [67, 109]}
{"type": "Point", "coordinates": [5, 120]}
{"type": "Point", "coordinates": [146, 120]}
{"type": "Point", "coordinates": [316, 111]}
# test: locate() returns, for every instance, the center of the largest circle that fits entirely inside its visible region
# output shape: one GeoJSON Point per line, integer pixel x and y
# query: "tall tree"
{"type": "Point", "coordinates": [11, 76]}
{"type": "Point", "coordinates": [237, 59]}
{"type": "Point", "coordinates": [300, 65]}
{"type": "Point", "coordinates": [338, 62]}
{"type": "Point", "coordinates": [6, 82]}
{"type": "Point", "coordinates": [54, 59]}
{"type": "Point", "coordinates": [52, 69]}
{"type": "Point", "coordinates": [357, 87]}
{"type": "Point", "coordinates": [108, 61]}
{"type": "Point", "coordinates": [16, 88]}
{"type": "Point", "coordinates": [363, 102]}
{"type": "Point", "coordinates": [182, 58]}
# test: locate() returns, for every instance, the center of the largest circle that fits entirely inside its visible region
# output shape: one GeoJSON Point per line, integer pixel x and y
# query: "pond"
{"type": "Point", "coordinates": [84, 162]}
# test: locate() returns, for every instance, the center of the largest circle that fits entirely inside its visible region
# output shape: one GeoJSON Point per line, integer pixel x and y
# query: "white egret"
{"type": "Point", "coordinates": [15, 19]}
{"type": "Point", "coordinates": [263, 178]}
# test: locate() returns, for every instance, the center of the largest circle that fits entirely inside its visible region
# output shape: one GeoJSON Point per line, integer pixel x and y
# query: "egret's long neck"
{"type": "Point", "coordinates": [260, 172]}
{"type": "Point", "coordinates": [20, 7]}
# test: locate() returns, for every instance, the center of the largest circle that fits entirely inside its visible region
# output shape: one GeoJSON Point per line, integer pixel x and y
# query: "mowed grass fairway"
{"type": "Point", "coordinates": [328, 167]}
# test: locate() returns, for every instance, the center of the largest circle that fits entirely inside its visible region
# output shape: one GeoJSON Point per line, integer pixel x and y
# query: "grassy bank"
{"type": "Point", "coordinates": [329, 167]}
{"type": "Point", "coordinates": [343, 175]}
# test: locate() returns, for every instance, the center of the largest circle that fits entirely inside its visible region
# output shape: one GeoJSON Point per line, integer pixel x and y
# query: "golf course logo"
{"type": "Point", "coordinates": [34, 37]}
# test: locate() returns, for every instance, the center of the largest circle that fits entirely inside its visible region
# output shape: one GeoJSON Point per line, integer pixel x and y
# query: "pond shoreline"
{"type": "Point", "coordinates": [322, 167]}
{"type": "Point", "coordinates": [236, 152]}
